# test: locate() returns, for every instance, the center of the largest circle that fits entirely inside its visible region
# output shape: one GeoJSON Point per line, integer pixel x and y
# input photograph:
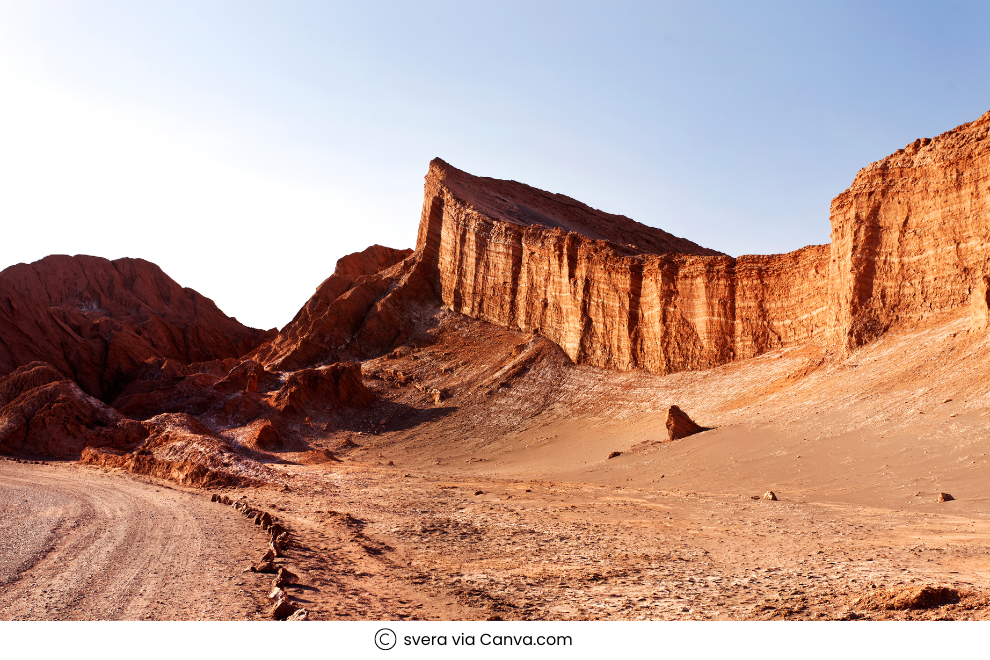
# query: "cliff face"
{"type": "Point", "coordinates": [907, 243]}
{"type": "Point", "coordinates": [611, 292]}
{"type": "Point", "coordinates": [97, 320]}
{"type": "Point", "coordinates": [909, 235]}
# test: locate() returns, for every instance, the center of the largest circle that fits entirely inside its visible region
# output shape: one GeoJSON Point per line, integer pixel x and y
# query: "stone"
{"type": "Point", "coordinates": [299, 615]}
{"type": "Point", "coordinates": [268, 556]}
{"type": "Point", "coordinates": [679, 425]}
{"type": "Point", "coordinates": [770, 495]}
{"type": "Point", "coordinates": [265, 566]}
{"type": "Point", "coordinates": [614, 454]}
{"type": "Point", "coordinates": [265, 520]}
{"type": "Point", "coordinates": [284, 577]}
{"type": "Point", "coordinates": [944, 497]}
{"type": "Point", "coordinates": [282, 610]}
{"type": "Point", "coordinates": [277, 594]}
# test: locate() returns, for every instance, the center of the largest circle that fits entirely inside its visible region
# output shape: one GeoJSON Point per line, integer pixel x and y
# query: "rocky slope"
{"type": "Point", "coordinates": [97, 320]}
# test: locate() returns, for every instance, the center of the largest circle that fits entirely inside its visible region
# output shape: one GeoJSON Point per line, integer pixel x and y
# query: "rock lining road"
{"type": "Point", "coordinates": [80, 543]}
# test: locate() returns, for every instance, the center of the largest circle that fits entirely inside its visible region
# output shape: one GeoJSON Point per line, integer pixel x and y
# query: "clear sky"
{"type": "Point", "coordinates": [245, 146]}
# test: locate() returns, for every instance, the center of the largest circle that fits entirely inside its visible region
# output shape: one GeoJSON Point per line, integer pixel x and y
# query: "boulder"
{"type": "Point", "coordinates": [770, 495]}
{"type": "Point", "coordinates": [679, 425]}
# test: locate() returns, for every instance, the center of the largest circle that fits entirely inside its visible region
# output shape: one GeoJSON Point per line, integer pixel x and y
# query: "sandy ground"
{"type": "Point", "coordinates": [500, 501]}
{"type": "Point", "coordinates": [76, 543]}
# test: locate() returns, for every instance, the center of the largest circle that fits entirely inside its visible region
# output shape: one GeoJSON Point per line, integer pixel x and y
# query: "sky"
{"type": "Point", "coordinates": [245, 146]}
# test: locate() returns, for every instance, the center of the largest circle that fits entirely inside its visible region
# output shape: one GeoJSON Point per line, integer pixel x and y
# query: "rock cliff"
{"type": "Point", "coordinates": [611, 292]}
{"type": "Point", "coordinates": [909, 236]}
{"type": "Point", "coordinates": [907, 243]}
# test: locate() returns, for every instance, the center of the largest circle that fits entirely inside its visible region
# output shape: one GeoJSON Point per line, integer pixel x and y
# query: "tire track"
{"type": "Point", "coordinates": [78, 543]}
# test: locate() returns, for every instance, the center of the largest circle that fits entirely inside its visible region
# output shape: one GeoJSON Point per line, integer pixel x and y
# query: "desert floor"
{"type": "Point", "coordinates": [501, 501]}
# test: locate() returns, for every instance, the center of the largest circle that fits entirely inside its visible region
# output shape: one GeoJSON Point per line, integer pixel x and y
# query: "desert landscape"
{"type": "Point", "coordinates": [542, 412]}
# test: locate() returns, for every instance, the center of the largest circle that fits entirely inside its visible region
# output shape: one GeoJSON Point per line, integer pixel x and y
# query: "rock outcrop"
{"type": "Point", "coordinates": [909, 236]}
{"type": "Point", "coordinates": [611, 292]}
{"type": "Point", "coordinates": [363, 309]}
{"type": "Point", "coordinates": [181, 449]}
{"type": "Point", "coordinates": [679, 425]}
{"type": "Point", "coordinates": [96, 320]}
{"type": "Point", "coordinates": [43, 413]}
{"type": "Point", "coordinates": [907, 244]}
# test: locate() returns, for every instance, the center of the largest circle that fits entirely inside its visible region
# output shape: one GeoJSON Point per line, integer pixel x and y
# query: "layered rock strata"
{"type": "Point", "coordinates": [909, 236]}
{"type": "Point", "coordinates": [611, 292]}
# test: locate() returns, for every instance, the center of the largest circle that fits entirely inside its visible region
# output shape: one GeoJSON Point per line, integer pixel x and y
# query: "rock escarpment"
{"type": "Point", "coordinates": [907, 243]}
{"type": "Point", "coordinates": [909, 236]}
{"type": "Point", "coordinates": [611, 292]}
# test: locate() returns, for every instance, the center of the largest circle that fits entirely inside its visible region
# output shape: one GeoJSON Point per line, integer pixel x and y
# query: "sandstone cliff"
{"type": "Point", "coordinates": [611, 292]}
{"type": "Point", "coordinates": [97, 320]}
{"type": "Point", "coordinates": [907, 243]}
{"type": "Point", "coordinates": [909, 236]}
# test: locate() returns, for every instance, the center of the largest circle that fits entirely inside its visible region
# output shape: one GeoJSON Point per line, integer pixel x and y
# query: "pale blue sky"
{"type": "Point", "coordinates": [245, 146]}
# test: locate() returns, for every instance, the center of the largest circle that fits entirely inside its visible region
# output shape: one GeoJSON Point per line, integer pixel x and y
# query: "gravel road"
{"type": "Point", "coordinates": [78, 543]}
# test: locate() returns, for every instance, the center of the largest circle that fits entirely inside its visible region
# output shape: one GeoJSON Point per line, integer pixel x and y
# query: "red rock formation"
{"type": "Point", "coordinates": [367, 306]}
{"type": "Point", "coordinates": [611, 292]}
{"type": "Point", "coordinates": [679, 425]}
{"type": "Point", "coordinates": [97, 320]}
{"type": "Point", "coordinates": [909, 235]}
{"type": "Point", "coordinates": [44, 413]}
{"type": "Point", "coordinates": [181, 449]}
{"type": "Point", "coordinates": [316, 390]}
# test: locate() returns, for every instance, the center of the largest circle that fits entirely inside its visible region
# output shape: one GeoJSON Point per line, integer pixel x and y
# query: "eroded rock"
{"type": "Point", "coordinates": [679, 425]}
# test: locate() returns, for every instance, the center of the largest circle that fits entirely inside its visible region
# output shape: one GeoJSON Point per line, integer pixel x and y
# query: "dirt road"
{"type": "Point", "coordinates": [78, 543]}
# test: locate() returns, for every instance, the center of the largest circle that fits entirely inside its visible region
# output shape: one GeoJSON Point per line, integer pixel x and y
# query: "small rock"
{"type": "Point", "coordinates": [944, 497]}
{"type": "Point", "coordinates": [277, 594]}
{"type": "Point", "coordinates": [268, 556]}
{"type": "Point", "coordinates": [299, 615]}
{"type": "Point", "coordinates": [479, 492]}
{"type": "Point", "coordinates": [282, 610]}
{"type": "Point", "coordinates": [265, 567]}
{"type": "Point", "coordinates": [284, 577]}
{"type": "Point", "coordinates": [770, 495]}
{"type": "Point", "coordinates": [613, 455]}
